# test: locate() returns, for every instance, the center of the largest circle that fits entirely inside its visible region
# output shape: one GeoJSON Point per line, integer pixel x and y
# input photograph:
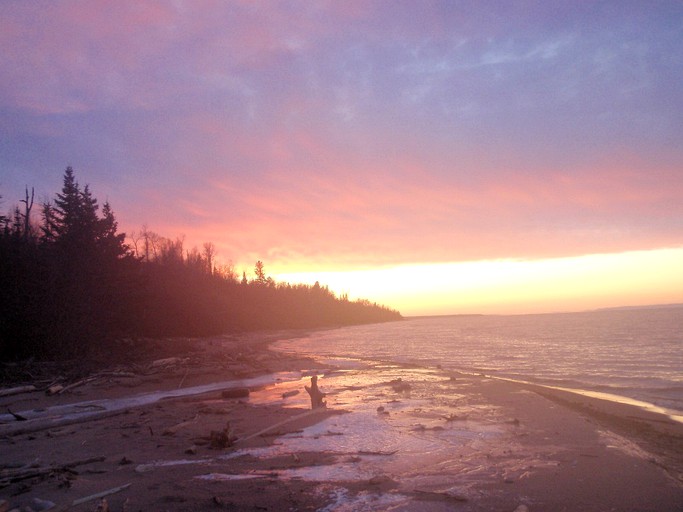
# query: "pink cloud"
{"type": "Point", "coordinates": [347, 133]}
{"type": "Point", "coordinates": [381, 217]}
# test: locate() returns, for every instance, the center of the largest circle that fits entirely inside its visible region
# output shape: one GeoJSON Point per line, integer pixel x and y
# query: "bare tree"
{"type": "Point", "coordinates": [226, 271]}
{"type": "Point", "coordinates": [209, 254]}
{"type": "Point", "coordinates": [28, 205]}
{"type": "Point", "coordinates": [170, 251]}
{"type": "Point", "coordinates": [151, 243]}
{"type": "Point", "coordinates": [135, 238]}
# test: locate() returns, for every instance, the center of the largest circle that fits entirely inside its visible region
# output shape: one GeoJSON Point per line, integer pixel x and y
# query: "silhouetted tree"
{"type": "Point", "coordinates": [208, 254]}
{"type": "Point", "coordinates": [260, 273]}
{"type": "Point", "coordinates": [61, 220]}
{"type": "Point", "coordinates": [81, 293]}
{"type": "Point", "coordinates": [78, 287]}
{"type": "Point", "coordinates": [170, 252]}
{"type": "Point", "coordinates": [28, 205]}
{"type": "Point", "coordinates": [111, 243]}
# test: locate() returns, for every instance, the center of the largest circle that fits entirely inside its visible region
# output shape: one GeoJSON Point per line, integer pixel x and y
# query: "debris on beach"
{"type": "Point", "coordinates": [102, 506]}
{"type": "Point", "coordinates": [16, 416]}
{"type": "Point", "coordinates": [382, 481]}
{"type": "Point", "coordinates": [171, 431]}
{"type": "Point", "coordinates": [372, 447]}
{"type": "Point", "coordinates": [455, 417]}
{"type": "Point", "coordinates": [12, 475]}
{"type": "Point", "coordinates": [399, 386]}
{"type": "Point", "coordinates": [235, 393]}
{"type": "Point", "coordinates": [54, 389]}
{"type": "Point", "coordinates": [315, 394]}
{"type": "Point", "coordinates": [167, 361]}
{"type": "Point", "coordinates": [38, 505]}
{"type": "Point", "coordinates": [98, 495]}
{"type": "Point", "coordinates": [221, 439]}
{"type": "Point", "coordinates": [448, 495]}
{"type": "Point", "coordinates": [18, 390]}
{"type": "Point", "coordinates": [74, 385]}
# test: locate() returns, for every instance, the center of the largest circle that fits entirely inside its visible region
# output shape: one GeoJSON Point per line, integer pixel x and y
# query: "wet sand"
{"type": "Point", "coordinates": [392, 437]}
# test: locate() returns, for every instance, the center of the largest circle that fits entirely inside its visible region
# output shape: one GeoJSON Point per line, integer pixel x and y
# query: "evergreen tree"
{"type": "Point", "coordinates": [62, 220]}
{"type": "Point", "coordinates": [111, 243]}
{"type": "Point", "coordinates": [75, 290]}
{"type": "Point", "coordinates": [73, 224]}
{"type": "Point", "coordinates": [87, 222]}
{"type": "Point", "coordinates": [260, 273]}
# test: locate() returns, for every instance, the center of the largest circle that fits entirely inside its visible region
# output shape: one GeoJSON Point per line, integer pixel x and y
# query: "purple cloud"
{"type": "Point", "coordinates": [355, 133]}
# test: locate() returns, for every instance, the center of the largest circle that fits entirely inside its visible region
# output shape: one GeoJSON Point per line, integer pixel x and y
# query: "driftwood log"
{"type": "Point", "coordinates": [315, 394]}
{"type": "Point", "coordinates": [17, 390]}
{"type": "Point", "coordinates": [100, 495]}
{"type": "Point", "coordinates": [8, 476]}
{"type": "Point", "coordinates": [38, 424]}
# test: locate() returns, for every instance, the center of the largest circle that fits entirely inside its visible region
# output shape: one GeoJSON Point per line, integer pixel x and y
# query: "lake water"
{"type": "Point", "coordinates": [636, 353]}
{"type": "Point", "coordinates": [405, 437]}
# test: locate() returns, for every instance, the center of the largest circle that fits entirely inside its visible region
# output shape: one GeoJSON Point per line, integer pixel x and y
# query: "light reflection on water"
{"type": "Point", "coordinates": [634, 353]}
{"type": "Point", "coordinates": [396, 431]}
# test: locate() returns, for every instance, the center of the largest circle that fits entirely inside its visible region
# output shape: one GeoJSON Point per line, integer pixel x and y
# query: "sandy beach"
{"type": "Point", "coordinates": [179, 432]}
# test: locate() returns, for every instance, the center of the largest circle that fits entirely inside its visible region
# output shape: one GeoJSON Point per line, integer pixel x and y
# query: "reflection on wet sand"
{"type": "Point", "coordinates": [421, 435]}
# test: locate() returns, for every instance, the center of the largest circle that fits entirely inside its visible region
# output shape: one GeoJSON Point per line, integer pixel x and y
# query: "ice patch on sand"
{"type": "Point", "coordinates": [227, 477]}
{"type": "Point", "coordinates": [343, 500]}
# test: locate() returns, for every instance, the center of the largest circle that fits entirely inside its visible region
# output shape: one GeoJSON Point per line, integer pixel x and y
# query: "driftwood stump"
{"type": "Point", "coordinates": [315, 394]}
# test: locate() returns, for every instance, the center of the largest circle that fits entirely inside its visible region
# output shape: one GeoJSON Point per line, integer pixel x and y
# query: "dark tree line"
{"type": "Point", "coordinates": [70, 285]}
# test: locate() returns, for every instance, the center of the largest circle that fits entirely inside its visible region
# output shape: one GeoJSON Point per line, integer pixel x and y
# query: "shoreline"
{"type": "Point", "coordinates": [497, 445]}
{"type": "Point", "coordinates": [671, 414]}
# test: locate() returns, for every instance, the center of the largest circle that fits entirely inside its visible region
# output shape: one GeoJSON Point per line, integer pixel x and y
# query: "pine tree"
{"type": "Point", "coordinates": [260, 273]}
{"type": "Point", "coordinates": [111, 243]}
{"type": "Point", "coordinates": [88, 223]}
{"type": "Point", "coordinates": [63, 218]}
{"type": "Point", "coordinates": [73, 225]}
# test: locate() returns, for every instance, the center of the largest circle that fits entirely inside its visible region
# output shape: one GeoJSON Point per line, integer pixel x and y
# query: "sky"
{"type": "Point", "coordinates": [438, 156]}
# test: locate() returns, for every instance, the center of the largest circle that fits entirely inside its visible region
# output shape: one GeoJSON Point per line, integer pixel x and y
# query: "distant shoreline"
{"type": "Point", "coordinates": [652, 306]}
{"type": "Point", "coordinates": [611, 308]}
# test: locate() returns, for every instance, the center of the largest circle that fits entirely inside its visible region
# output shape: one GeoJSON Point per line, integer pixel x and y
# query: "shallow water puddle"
{"type": "Point", "coordinates": [411, 433]}
{"type": "Point", "coordinates": [227, 477]}
{"type": "Point", "coordinates": [343, 500]}
{"type": "Point", "coordinates": [406, 427]}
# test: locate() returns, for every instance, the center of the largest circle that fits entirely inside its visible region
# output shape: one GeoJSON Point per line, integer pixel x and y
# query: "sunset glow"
{"type": "Point", "coordinates": [508, 286]}
{"type": "Point", "coordinates": [436, 157]}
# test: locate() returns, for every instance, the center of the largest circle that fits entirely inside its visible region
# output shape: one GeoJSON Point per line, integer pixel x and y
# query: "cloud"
{"type": "Point", "coordinates": [355, 133]}
{"type": "Point", "coordinates": [398, 214]}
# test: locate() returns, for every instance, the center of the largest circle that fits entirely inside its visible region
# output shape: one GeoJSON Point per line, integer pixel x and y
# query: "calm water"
{"type": "Point", "coordinates": [632, 353]}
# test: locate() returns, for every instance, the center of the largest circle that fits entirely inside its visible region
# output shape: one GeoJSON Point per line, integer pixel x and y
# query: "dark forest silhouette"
{"type": "Point", "coordinates": [70, 285]}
